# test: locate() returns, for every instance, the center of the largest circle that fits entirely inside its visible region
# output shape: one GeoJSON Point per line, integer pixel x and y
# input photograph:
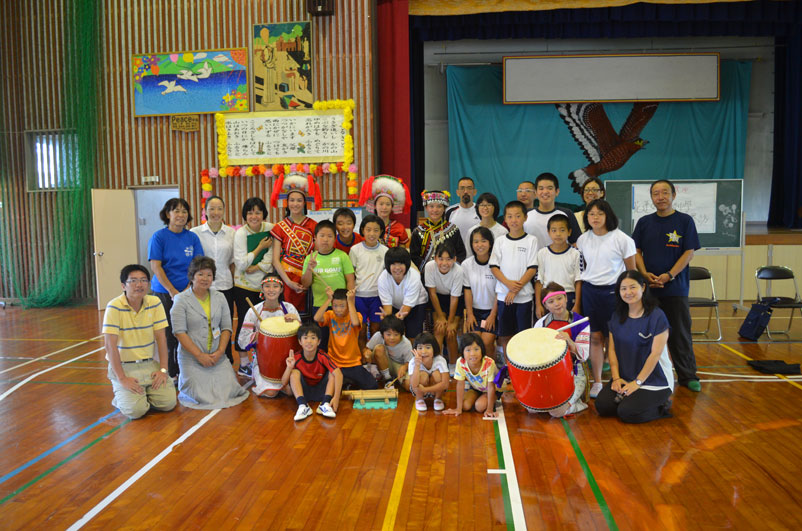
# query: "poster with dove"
{"type": "Point", "coordinates": [193, 82]}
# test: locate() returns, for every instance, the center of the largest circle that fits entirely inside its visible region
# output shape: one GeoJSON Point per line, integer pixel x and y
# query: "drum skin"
{"type": "Point", "coordinates": [272, 351]}
{"type": "Point", "coordinates": [540, 388]}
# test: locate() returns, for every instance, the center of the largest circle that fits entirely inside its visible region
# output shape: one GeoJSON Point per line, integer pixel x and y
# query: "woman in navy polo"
{"type": "Point", "coordinates": [642, 375]}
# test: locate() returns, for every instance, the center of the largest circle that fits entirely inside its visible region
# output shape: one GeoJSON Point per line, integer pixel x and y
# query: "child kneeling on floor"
{"type": "Point", "coordinates": [555, 301]}
{"type": "Point", "coordinates": [474, 374]}
{"type": "Point", "coordinates": [312, 376]}
{"type": "Point", "coordinates": [428, 373]}
{"type": "Point", "coordinates": [390, 350]}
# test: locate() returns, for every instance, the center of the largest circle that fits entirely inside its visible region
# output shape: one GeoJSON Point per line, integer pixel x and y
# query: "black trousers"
{"type": "Point", "coordinates": [358, 377]}
{"type": "Point", "coordinates": [172, 342]}
{"type": "Point", "coordinates": [680, 344]}
{"type": "Point", "coordinates": [641, 406]}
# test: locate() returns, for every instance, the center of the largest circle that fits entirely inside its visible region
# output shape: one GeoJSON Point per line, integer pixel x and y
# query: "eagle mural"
{"type": "Point", "coordinates": [605, 149]}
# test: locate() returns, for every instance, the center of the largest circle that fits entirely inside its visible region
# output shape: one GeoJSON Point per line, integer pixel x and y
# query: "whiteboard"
{"type": "Point", "coordinates": [621, 77]}
{"type": "Point", "coordinates": [698, 200]}
{"type": "Point", "coordinates": [328, 214]}
{"type": "Point", "coordinates": [283, 136]}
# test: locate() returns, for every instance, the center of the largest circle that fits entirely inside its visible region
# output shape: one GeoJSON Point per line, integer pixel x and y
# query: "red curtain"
{"type": "Point", "coordinates": [392, 27]}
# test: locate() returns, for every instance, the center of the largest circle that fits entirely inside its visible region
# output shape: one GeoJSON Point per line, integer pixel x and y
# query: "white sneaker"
{"type": "Point", "coordinates": [303, 411]}
{"type": "Point", "coordinates": [577, 407]}
{"type": "Point", "coordinates": [325, 410]}
{"type": "Point", "coordinates": [595, 389]}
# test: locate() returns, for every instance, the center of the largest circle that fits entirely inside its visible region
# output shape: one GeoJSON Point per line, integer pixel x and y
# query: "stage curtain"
{"type": "Point", "coordinates": [392, 32]}
{"type": "Point", "coordinates": [501, 145]}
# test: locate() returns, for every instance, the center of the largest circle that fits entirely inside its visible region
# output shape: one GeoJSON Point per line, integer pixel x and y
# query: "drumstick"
{"type": "Point", "coordinates": [258, 319]}
{"type": "Point", "coordinates": [575, 323]}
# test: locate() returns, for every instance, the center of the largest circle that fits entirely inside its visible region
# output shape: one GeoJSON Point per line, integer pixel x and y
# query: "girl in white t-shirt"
{"type": "Point", "coordinates": [442, 278]}
{"type": "Point", "coordinates": [607, 252]}
{"type": "Point", "coordinates": [488, 209]}
{"type": "Point", "coordinates": [428, 373]}
{"type": "Point", "coordinates": [367, 257]}
{"type": "Point", "coordinates": [481, 303]}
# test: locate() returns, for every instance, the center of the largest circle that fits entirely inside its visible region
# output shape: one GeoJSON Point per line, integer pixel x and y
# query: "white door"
{"type": "Point", "coordinates": [149, 202]}
{"type": "Point", "coordinates": [114, 226]}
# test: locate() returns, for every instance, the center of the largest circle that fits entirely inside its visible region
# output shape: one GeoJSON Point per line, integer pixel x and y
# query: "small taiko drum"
{"type": "Point", "coordinates": [276, 338]}
{"type": "Point", "coordinates": [540, 369]}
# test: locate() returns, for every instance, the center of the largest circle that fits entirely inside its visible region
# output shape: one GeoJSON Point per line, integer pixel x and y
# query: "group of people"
{"type": "Point", "coordinates": [385, 304]}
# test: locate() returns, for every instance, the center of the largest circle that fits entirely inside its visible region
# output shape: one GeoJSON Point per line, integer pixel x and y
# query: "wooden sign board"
{"type": "Point", "coordinates": [185, 122]}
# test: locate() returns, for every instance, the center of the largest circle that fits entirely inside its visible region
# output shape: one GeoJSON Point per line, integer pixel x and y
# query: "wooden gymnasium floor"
{"type": "Point", "coordinates": [730, 458]}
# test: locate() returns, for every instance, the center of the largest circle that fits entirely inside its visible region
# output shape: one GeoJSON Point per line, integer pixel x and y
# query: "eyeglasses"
{"type": "Point", "coordinates": [525, 190]}
{"type": "Point", "coordinates": [132, 281]}
{"type": "Point", "coordinates": [591, 191]}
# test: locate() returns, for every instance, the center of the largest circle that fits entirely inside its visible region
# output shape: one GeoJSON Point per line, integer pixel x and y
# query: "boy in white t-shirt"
{"type": "Point", "coordinates": [390, 350]}
{"type": "Point", "coordinates": [547, 188]}
{"type": "Point", "coordinates": [514, 264]}
{"type": "Point", "coordinates": [558, 262]}
{"type": "Point", "coordinates": [428, 373]}
{"type": "Point", "coordinates": [367, 257]}
{"type": "Point", "coordinates": [443, 279]}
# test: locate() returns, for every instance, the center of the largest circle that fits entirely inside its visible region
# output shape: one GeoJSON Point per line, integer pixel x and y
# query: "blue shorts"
{"type": "Point", "coordinates": [314, 393]}
{"type": "Point", "coordinates": [513, 318]}
{"type": "Point", "coordinates": [598, 303]}
{"type": "Point", "coordinates": [482, 315]}
{"type": "Point", "coordinates": [369, 307]}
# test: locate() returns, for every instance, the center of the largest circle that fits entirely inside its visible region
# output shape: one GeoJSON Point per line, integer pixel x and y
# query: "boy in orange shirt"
{"type": "Point", "coordinates": [344, 324]}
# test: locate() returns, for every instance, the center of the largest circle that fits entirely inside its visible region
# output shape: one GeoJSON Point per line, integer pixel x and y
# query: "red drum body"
{"type": "Point", "coordinates": [541, 370]}
{"type": "Point", "coordinates": [276, 338]}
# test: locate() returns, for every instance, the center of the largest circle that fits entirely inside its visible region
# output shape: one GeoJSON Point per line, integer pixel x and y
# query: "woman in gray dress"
{"type": "Point", "coordinates": [202, 325]}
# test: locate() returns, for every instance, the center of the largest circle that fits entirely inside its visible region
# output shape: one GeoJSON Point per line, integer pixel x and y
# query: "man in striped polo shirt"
{"type": "Point", "coordinates": [134, 326]}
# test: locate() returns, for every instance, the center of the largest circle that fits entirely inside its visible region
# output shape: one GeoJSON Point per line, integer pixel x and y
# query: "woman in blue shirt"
{"type": "Point", "coordinates": [170, 251]}
{"type": "Point", "coordinates": [642, 375]}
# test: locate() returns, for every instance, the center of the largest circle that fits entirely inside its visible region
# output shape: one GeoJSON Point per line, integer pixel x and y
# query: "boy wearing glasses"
{"type": "Point", "coordinates": [464, 214]}
{"type": "Point", "coordinates": [134, 328]}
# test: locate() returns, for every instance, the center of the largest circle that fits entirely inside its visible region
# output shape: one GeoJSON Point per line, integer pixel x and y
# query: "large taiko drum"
{"type": "Point", "coordinates": [540, 369]}
{"type": "Point", "coordinates": [276, 338]}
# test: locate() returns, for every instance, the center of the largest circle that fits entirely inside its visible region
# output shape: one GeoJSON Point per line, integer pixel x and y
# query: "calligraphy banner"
{"type": "Point", "coordinates": [280, 137]}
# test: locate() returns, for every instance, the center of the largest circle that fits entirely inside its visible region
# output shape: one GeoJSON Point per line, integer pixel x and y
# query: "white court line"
{"type": "Point", "coordinates": [518, 518]}
{"type": "Point", "coordinates": [31, 377]}
{"type": "Point", "coordinates": [752, 376]}
{"type": "Point", "coordinates": [496, 471]}
{"type": "Point", "coordinates": [48, 355]}
{"type": "Point", "coordinates": [773, 380]}
{"type": "Point", "coordinates": [139, 473]}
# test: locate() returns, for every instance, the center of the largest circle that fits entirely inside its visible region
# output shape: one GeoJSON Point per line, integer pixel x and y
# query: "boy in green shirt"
{"type": "Point", "coordinates": [324, 268]}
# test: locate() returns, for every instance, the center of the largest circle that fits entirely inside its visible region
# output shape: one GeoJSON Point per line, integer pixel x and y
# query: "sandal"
{"type": "Point", "coordinates": [420, 405]}
{"type": "Point", "coordinates": [439, 405]}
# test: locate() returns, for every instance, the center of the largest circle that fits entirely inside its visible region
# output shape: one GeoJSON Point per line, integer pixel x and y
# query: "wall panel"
{"type": "Point", "coordinates": [130, 148]}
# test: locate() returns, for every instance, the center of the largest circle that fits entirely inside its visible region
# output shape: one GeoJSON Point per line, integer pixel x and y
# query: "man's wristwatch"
{"type": "Point", "coordinates": [164, 371]}
{"type": "Point", "coordinates": [639, 382]}
{"type": "Point", "coordinates": [670, 276]}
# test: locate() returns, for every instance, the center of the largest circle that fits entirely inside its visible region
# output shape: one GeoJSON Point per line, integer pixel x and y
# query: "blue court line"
{"type": "Point", "coordinates": [38, 458]}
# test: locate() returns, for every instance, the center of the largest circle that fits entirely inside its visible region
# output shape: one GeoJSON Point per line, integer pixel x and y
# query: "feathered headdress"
{"type": "Point", "coordinates": [297, 182]}
{"type": "Point", "coordinates": [385, 186]}
{"type": "Point", "coordinates": [435, 196]}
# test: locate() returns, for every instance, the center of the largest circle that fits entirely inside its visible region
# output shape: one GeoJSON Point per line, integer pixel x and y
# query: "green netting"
{"type": "Point", "coordinates": [55, 280]}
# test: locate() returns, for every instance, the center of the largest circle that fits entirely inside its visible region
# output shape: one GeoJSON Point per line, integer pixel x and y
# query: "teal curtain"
{"type": "Point", "coordinates": [501, 145]}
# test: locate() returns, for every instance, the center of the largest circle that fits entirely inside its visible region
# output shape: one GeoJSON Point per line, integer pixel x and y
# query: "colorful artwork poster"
{"type": "Point", "coordinates": [194, 82]}
{"type": "Point", "coordinates": [282, 66]}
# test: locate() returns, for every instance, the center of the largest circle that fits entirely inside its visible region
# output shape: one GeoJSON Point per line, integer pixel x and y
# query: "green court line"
{"type": "Point", "coordinates": [505, 492]}
{"type": "Point", "coordinates": [605, 509]}
{"type": "Point", "coordinates": [64, 461]}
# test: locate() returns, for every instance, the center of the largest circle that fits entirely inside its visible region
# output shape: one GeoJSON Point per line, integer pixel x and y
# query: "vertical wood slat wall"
{"type": "Point", "coordinates": [130, 148]}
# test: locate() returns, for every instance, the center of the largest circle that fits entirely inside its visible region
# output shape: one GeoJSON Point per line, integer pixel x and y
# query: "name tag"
{"type": "Point", "coordinates": [215, 333]}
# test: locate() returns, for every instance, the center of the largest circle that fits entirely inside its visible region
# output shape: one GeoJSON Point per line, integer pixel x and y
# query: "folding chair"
{"type": "Point", "coordinates": [774, 273]}
{"type": "Point", "coordinates": [702, 273]}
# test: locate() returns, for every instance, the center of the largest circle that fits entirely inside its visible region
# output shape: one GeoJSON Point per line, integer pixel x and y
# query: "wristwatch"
{"type": "Point", "coordinates": [163, 370]}
{"type": "Point", "coordinates": [639, 382]}
{"type": "Point", "coordinates": [670, 276]}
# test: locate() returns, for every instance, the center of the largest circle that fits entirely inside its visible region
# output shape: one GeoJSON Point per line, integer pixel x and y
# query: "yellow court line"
{"type": "Point", "coordinates": [400, 473]}
{"type": "Point", "coordinates": [747, 358]}
{"type": "Point", "coordinates": [49, 339]}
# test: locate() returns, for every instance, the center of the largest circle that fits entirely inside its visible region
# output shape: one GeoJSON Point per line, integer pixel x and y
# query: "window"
{"type": "Point", "coordinates": [51, 160]}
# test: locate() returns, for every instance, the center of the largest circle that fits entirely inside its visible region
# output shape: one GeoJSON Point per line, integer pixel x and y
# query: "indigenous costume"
{"type": "Point", "coordinates": [428, 235]}
{"type": "Point", "coordinates": [395, 190]}
{"type": "Point", "coordinates": [297, 239]}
